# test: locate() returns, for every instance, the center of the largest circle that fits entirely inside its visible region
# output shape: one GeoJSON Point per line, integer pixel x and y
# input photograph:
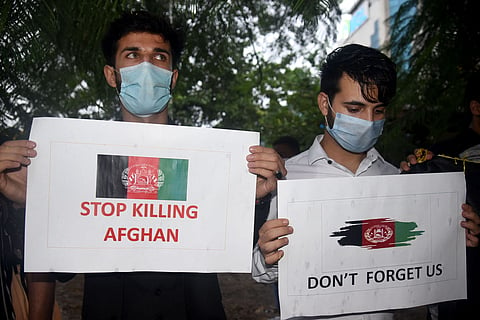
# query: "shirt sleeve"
{"type": "Point", "coordinates": [261, 272]}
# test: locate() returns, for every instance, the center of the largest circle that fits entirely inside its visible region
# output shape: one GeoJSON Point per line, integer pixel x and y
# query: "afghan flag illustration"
{"type": "Point", "coordinates": [141, 177]}
{"type": "Point", "coordinates": [377, 233]}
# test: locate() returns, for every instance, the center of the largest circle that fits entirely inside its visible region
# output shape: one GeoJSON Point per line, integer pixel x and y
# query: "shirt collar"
{"type": "Point", "coordinates": [316, 153]}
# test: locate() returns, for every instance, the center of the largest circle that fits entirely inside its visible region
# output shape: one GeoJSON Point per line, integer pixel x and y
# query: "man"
{"type": "Point", "coordinates": [465, 145]}
{"type": "Point", "coordinates": [142, 52]}
{"type": "Point", "coordinates": [356, 86]}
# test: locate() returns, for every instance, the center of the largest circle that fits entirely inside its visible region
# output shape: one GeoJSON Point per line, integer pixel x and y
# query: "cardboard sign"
{"type": "Point", "coordinates": [371, 243]}
{"type": "Point", "coordinates": [108, 196]}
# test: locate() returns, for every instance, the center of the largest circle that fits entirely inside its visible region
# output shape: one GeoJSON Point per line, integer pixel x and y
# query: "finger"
{"type": "Point", "coordinates": [274, 233]}
{"type": "Point", "coordinates": [471, 240]}
{"type": "Point", "coordinates": [267, 248]}
{"type": "Point", "coordinates": [259, 153]}
{"type": "Point", "coordinates": [12, 165]}
{"type": "Point", "coordinates": [274, 257]}
{"type": "Point", "coordinates": [429, 155]}
{"type": "Point", "coordinates": [411, 159]}
{"type": "Point", "coordinates": [264, 187]}
{"type": "Point", "coordinates": [20, 143]}
{"type": "Point", "coordinates": [471, 227]}
{"type": "Point", "coordinates": [274, 223]}
{"type": "Point", "coordinates": [264, 172]}
{"type": "Point", "coordinates": [469, 213]}
{"type": "Point", "coordinates": [261, 149]}
{"type": "Point", "coordinates": [404, 166]}
{"type": "Point", "coordinates": [17, 150]}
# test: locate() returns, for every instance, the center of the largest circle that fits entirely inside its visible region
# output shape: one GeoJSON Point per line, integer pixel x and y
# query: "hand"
{"type": "Point", "coordinates": [271, 237]}
{"type": "Point", "coordinates": [267, 164]}
{"type": "Point", "coordinates": [14, 159]}
{"type": "Point", "coordinates": [413, 158]}
{"type": "Point", "coordinates": [471, 225]}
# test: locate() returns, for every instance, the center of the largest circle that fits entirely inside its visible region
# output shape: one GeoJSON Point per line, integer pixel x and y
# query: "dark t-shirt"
{"type": "Point", "coordinates": [11, 252]}
{"type": "Point", "coordinates": [152, 295]}
{"type": "Point", "coordinates": [455, 146]}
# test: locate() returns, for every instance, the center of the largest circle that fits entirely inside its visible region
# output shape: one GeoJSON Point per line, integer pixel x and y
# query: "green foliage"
{"type": "Point", "coordinates": [436, 45]}
{"type": "Point", "coordinates": [51, 64]}
{"type": "Point", "coordinates": [50, 61]}
{"type": "Point", "coordinates": [292, 108]}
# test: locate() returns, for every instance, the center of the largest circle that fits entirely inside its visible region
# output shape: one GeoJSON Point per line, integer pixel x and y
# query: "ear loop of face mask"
{"type": "Point", "coordinates": [118, 81]}
{"type": "Point", "coordinates": [326, 116]}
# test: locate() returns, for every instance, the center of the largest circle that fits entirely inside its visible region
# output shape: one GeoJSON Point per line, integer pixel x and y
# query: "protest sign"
{"type": "Point", "coordinates": [371, 243]}
{"type": "Point", "coordinates": [107, 196]}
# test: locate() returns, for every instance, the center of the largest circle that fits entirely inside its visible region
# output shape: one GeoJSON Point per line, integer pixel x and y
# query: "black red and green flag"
{"type": "Point", "coordinates": [377, 233]}
{"type": "Point", "coordinates": [134, 177]}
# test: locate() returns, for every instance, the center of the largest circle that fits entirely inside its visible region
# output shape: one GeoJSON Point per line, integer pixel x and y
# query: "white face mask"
{"type": "Point", "coordinates": [145, 89]}
{"type": "Point", "coordinates": [354, 134]}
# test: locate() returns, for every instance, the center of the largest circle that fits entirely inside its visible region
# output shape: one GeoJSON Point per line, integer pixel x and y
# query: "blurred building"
{"type": "Point", "coordinates": [366, 22]}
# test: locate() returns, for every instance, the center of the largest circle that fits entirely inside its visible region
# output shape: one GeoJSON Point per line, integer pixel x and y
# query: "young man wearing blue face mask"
{"type": "Point", "coordinates": [357, 84]}
{"type": "Point", "coordinates": [142, 53]}
{"type": "Point", "coordinates": [141, 66]}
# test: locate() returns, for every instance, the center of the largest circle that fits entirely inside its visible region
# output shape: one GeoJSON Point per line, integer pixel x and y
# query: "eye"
{"type": "Point", "coordinates": [353, 109]}
{"type": "Point", "coordinates": [132, 55]}
{"type": "Point", "coordinates": [161, 57]}
{"type": "Point", "coordinates": [380, 111]}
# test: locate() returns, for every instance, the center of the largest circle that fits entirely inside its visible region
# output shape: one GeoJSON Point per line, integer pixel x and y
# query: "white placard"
{"type": "Point", "coordinates": [371, 243]}
{"type": "Point", "coordinates": [106, 196]}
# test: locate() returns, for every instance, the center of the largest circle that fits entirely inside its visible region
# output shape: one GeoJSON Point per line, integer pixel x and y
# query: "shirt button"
{"type": "Point", "coordinates": [329, 161]}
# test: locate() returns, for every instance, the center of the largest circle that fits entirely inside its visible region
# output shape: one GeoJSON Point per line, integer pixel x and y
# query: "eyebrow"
{"type": "Point", "coordinates": [154, 50]}
{"type": "Point", "coordinates": [362, 104]}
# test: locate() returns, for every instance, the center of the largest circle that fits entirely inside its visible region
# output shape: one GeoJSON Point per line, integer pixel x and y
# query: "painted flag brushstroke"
{"type": "Point", "coordinates": [377, 233]}
{"type": "Point", "coordinates": [141, 178]}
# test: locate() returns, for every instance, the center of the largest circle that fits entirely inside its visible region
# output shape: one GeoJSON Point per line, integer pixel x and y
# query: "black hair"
{"type": "Point", "coordinates": [291, 141]}
{"type": "Point", "coordinates": [142, 21]}
{"type": "Point", "coordinates": [472, 90]}
{"type": "Point", "coordinates": [367, 66]}
{"type": "Point", "coordinates": [292, 146]}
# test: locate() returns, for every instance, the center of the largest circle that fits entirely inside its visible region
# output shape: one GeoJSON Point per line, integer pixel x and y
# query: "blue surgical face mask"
{"type": "Point", "coordinates": [354, 134]}
{"type": "Point", "coordinates": [145, 89]}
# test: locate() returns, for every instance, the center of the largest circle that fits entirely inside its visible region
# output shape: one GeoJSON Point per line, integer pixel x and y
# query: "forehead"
{"type": "Point", "coordinates": [144, 41]}
{"type": "Point", "coordinates": [352, 89]}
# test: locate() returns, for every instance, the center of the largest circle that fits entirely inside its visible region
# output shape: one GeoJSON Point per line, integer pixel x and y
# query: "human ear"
{"type": "Point", "coordinates": [109, 73]}
{"type": "Point", "coordinates": [475, 107]}
{"type": "Point", "coordinates": [174, 78]}
{"type": "Point", "coordinates": [322, 101]}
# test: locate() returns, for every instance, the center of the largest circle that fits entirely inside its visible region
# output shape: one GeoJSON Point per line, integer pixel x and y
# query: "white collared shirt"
{"type": "Point", "coordinates": [313, 164]}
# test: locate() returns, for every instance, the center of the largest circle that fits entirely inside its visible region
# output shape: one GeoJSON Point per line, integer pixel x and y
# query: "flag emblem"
{"type": "Point", "coordinates": [141, 177]}
{"type": "Point", "coordinates": [377, 233]}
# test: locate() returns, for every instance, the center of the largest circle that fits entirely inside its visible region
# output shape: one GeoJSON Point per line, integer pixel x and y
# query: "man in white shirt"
{"type": "Point", "coordinates": [357, 85]}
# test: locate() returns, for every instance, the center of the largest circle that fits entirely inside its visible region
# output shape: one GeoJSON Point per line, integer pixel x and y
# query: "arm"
{"type": "Point", "coordinates": [41, 295]}
{"type": "Point", "coordinates": [14, 159]}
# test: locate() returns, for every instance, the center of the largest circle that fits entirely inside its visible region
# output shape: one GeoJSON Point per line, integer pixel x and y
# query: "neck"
{"type": "Point", "coordinates": [476, 124]}
{"type": "Point", "coordinates": [158, 118]}
{"type": "Point", "coordinates": [348, 159]}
